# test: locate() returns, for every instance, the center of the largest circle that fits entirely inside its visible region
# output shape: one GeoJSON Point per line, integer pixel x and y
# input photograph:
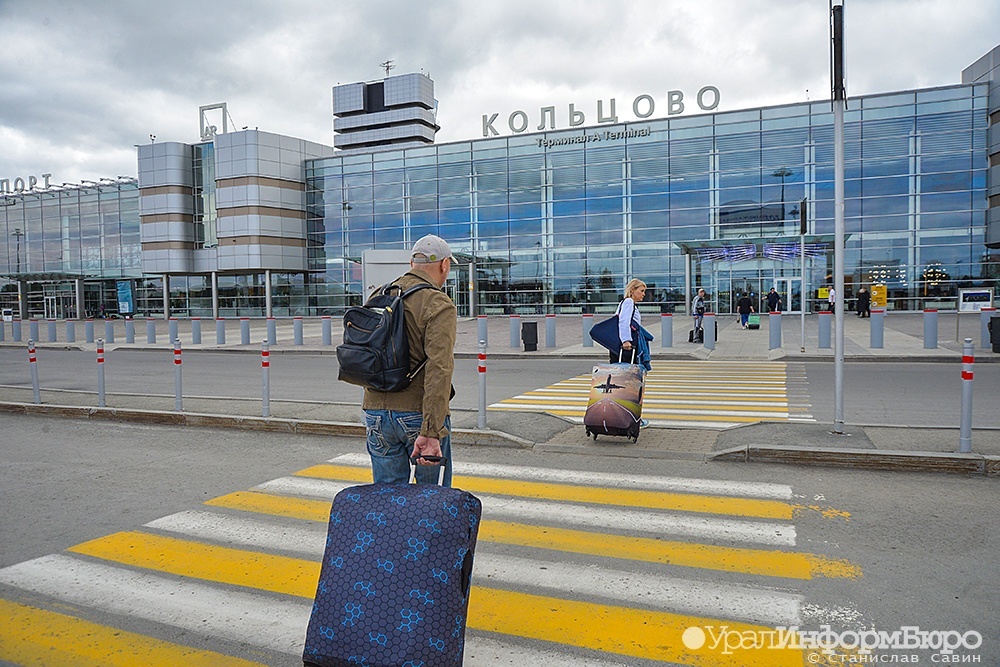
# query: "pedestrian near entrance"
{"type": "Point", "coordinates": [698, 308]}
{"type": "Point", "coordinates": [864, 303]}
{"type": "Point", "coordinates": [416, 421]}
{"type": "Point", "coordinates": [630, 325]}
{"type": "Point", "coordinates": [773, 301]}
{"type": "Point", "coordinates": [831, 298]}
{"type": "Point", "coordinates": [744, 307]}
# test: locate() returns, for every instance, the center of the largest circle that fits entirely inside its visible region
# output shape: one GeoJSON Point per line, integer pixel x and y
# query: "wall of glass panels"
{"type": "Point", "coordinates": [59, 234]}
{"type": "Point", "coordinates": [554, 228]}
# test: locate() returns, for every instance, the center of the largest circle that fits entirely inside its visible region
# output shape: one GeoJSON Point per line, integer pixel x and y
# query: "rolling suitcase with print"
{"type": "Point", "coordinates": [615, 405]}
{"type": "Point", "coordinates": [395, 578]}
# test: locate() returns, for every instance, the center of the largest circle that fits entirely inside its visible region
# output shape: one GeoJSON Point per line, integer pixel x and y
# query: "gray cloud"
{"type": "Point", "coordinates": [83, 82]}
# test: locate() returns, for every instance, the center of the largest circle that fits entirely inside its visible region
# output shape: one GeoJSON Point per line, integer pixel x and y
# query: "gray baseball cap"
{"type": "Point", "coordinates": [433, 248]}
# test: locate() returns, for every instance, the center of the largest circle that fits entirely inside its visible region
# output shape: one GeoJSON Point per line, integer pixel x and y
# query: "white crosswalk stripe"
{"type": "Point", "coordinates": [273, 622]}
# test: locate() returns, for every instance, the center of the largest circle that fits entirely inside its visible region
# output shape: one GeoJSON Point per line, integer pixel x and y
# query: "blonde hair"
{"type": "Point", "coordinates": [632, 286]}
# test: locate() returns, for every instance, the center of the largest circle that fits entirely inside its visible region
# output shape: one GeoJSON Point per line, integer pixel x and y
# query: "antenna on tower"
{"type": "Point", "coordinates": [387, 65]}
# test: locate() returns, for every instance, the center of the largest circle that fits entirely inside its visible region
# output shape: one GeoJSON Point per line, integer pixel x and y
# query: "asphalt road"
{"type": "Point", "coordinates": [893, 393]}
{"type": "Point", "coordinates": [924, 545]}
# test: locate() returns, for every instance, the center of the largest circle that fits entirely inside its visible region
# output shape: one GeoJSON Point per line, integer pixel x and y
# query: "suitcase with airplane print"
{"type": "Point", "coordinates": [395, 578]}
{"type": "Point", "coordinates": [615, 405]}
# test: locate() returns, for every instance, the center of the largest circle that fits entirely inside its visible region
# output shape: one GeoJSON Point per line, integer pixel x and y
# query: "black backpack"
{"type": "Point", "coordinates": [375, 353]}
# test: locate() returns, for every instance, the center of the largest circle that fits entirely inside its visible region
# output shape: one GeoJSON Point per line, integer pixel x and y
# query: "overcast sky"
{"type": "Point", "coordinates": [83, 81]}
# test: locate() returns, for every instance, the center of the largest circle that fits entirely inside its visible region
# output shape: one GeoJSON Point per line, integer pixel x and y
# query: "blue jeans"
{"type": "Point", "coordinates": [389, 436]}
{"type": "Point", "coordinates": [744, 318]}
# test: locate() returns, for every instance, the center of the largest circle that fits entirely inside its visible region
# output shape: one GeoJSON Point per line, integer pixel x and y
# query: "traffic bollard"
{"type": "Point", "coordinates": [265, 372]}
{"type": "Point", "coordinates": [550, 330]}
{"type": "Point", "coordinates": [109, 331]}
{"type": "Point", "coordinates": [709, 331]}
{"type": "Point", "coordinates": [129, 330]}
{"type": "Point", "coordinates": [877, 320]}
{"type": "Point", "coordinates": [32, 329]}
{"type": "Point", "coordinates": [774, 330]}
{"type": "Point", "coordinates": [100, 374]}
{"type": "Point", "coordinates": [244, 331]}
{"type": "Point", "coordinates": [483, 328]}
{"type": "Point", "coordinates": [482, 384]}
{"type": "Point", "coordinates": [16, 329]}
{"type": "Point", "coordinates": [178, 401]}
{"type": "Point", "coordinates": [52, 331]}
{"type": "Point", "coordinates": [666, 330]}
{"type": "Point", "coordinates": [196, 331]}
{"type": "Point", "coordinates": [984, 326]}
{"type": "Point", "coordinates": [588, 323]}
{"type": "Point", "coordinates": [70, 331]}
{"type": "Point", "coordinates": [172, 328]}
{"type": "Point", "coordinates": [220, 331]}
{"type": "Point", "coordinates": [930, 328]}
{"type": "Point", "coordinates": [965, 431]}
{"type": "Point", "coordinates": [151, 330]}
{"type": "Point", "coordinates": [272, 331]}
{"type": "Point", "coordinates": [3, 330]}
{"type": "Point", "coordinates": [32, 362]}
{"type": "Point", "coordinates": [88, 331]}
{"type": "Point", "coordinates": [327, 330]}
{"type": "Point", "coordinates": [515, 331]}
{"type": "Point", "coordinates": [824, 319]}
{"type": "Point", "coordinates": [297, 329]}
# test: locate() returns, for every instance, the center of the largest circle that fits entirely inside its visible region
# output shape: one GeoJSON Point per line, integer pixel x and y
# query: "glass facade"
{"type": "Point", "coordinates": [51, 238]}
{"type": "Point", "coordinates": [560, 221]}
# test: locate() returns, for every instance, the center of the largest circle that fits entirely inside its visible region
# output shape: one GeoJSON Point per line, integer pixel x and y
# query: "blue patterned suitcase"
{"type": "Point", "coordinates": [395, 578]}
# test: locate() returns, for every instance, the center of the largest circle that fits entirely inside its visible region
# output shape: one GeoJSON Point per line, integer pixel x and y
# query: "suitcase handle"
{"type": "Point", "coordinates": [440, 461]}
{"type": "Point", "coordinates": [622, 351]}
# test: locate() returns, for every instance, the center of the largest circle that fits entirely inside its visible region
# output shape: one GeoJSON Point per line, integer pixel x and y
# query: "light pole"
{"type": "Point", "coordinates": [17, 234]}
{"type": "Point", "coordinates": [782, 173]}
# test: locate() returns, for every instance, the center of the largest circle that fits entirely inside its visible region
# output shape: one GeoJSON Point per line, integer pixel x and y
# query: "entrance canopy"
{"type": "Point", "coordinates": [780, 248]}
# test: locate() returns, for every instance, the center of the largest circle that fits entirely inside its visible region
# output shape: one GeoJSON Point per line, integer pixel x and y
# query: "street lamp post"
{"type": "Point", "coordinates": [782, 173]}
{"type": "Point", "coordinates": [17, 234]}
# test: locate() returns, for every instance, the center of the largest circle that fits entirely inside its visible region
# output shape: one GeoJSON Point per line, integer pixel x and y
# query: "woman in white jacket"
{"type": "Point", "coordinates": [628, 315]}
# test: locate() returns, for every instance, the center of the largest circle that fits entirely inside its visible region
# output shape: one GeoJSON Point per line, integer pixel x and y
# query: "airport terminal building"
{"type": "Point", "coordinates": [249, 223]}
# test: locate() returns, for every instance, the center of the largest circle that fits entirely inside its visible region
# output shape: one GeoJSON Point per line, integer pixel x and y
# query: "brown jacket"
{"type": "Point", "coordinates": [431, 322]}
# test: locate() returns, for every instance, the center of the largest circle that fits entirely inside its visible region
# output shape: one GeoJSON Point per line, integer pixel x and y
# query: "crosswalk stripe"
{"type": "Point", "coordinates": [659, 523]}
{"type": "Point", "coordinates": [33, 636]}
{"type": "Point", "coordinates": [622, 587]}
{"type": "Point", "coordinates": [747, 507]}
{"type": "Point", "coordinates": [704, 556]}
{"type": "Point", "coordinates": [599, 478]}
{"type": "Point", "coordinates": [271, 623]}
{"type": "Point", "coordinates": [639, 633]}
{"type": "Point", "coordinates": [689, 393]}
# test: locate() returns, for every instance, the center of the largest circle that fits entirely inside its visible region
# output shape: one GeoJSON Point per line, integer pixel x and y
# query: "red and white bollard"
{"type": "Point", "coordinates": [32, 362]}
{"type": "Point", "coordinates": [265, 371]}
{"type": "Point", "coordinates": [178, 402]}
{"type": "Point", "coordinates": [965, 430]}
{"type": "Point", "coordinates": [482, 384]}
{"type": "Point", "coordinates": [100, 373]}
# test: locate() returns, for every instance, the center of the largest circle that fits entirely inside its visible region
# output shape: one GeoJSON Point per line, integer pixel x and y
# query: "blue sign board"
{"type": "Point", "coordinates": [126, 304]}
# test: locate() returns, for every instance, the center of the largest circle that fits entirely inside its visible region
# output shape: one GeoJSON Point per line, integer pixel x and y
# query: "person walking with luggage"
{"type": "Point", "coordinates": [773, 301]}
{"type": "Point", "coordinates": [744, 307]}
{"type": "Point", "coordinates": [629, 321]}
{"type": "Point", "coordinates": [864, 303]}
{"type": "Point", "coordinates": [698, 307]}
{"type": "Point", "coordinates": [416, 421]}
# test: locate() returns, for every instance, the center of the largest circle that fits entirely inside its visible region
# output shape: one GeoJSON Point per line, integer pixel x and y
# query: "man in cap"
{"type": "Point", "coordinates": [416, 421]}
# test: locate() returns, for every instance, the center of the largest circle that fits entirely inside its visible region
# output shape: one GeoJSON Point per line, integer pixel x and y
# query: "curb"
{"type": "Point", "coordinates": [864, 459]}
{"type": "Point", "coordinates": [485, 437]}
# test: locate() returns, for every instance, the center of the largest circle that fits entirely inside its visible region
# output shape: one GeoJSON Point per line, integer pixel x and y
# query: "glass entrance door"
{"type": "Point", "coordinates": [790, 290]}
{"type": "Point", "coordinates": [734, 285]}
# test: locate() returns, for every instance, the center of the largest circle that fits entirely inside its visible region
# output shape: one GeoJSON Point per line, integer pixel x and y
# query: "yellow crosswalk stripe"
{"type": "Point", "coordinates": [687, 502]}
{"type": "Point", "coordinates": [41, 638]}
{"type": "Point", "coordinates": [729, 559]}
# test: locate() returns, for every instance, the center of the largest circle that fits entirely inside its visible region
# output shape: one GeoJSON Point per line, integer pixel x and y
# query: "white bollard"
{"type": "Point", "coordinates": [965, 430]}
{"type": "Point", "coordinates": [100, 373]}
{"type": "Point", "coordinates": [265, 372]}
{"type": "Point", "coordinates": [32, 362]}
{"type": "Point", "coordinates": [482, 384]}
{"type": "Point", "coordinates": [178, 401]}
